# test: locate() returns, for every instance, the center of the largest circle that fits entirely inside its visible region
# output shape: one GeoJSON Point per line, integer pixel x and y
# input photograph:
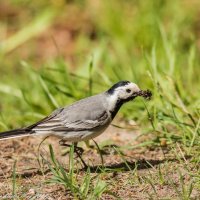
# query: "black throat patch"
{"type": "Point", "coordinates": [116, 108]}
{"type": "Point", "coordinates": [118, 105]}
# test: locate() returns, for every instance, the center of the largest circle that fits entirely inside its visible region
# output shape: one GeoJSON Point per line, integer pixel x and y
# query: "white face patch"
{"type": "Point", "coordinates": [122, 93]}
{"type": "Point", "coordinates": [126, 91]}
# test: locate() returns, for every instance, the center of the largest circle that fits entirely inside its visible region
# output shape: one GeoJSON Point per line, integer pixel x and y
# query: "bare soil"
{"type": "Point", "coordinates": [32, 177]}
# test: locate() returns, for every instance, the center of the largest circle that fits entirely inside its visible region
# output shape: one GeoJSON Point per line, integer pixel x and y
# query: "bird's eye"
{"type": "Point", "coordinates": [128, 90]}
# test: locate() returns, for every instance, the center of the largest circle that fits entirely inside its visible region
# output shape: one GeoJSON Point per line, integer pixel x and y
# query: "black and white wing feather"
{"type": "Point", "coordinates": [84, 117]}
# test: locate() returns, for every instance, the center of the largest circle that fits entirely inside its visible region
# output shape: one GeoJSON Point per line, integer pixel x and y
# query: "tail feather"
{"type": "Point", "coordinates": [14, 133]}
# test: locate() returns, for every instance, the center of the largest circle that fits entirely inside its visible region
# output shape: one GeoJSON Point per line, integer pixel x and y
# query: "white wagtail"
{"type": "Point", "coordinates": [84, 119]}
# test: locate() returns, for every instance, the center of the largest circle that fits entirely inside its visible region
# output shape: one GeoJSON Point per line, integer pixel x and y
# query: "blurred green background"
{"type": "Point", "coordinates": [55, 52]}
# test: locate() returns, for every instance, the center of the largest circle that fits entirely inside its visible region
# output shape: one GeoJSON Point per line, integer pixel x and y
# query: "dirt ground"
{"type": "Point", "coordinates": [31, 179]}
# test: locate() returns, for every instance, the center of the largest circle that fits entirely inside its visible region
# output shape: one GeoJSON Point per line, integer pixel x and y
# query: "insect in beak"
{"type": "Point", "coordinates": [147, 94]}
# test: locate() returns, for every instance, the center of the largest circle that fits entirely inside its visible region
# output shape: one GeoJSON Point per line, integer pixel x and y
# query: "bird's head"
{"type": "Point", "coordinates": [124, 91]}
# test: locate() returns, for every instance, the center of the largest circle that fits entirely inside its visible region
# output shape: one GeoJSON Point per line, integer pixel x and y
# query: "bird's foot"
{"type": "Point", "coordinates": [77, 150]}
{"type": "Point", "coordinates": [80, 150]}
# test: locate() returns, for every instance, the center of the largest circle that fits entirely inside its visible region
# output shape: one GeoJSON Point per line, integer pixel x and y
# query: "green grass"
{"type": "Point", "coordinates": [154, 44]}
{"type": "Point", "coordinates": [86, 188]}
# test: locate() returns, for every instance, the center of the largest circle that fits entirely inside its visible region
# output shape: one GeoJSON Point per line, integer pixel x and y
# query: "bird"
{"type": "Point", "coordinates": [84, 119]}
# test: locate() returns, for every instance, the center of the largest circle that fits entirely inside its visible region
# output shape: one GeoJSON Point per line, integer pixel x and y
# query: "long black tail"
{"type": "Point", "coordinates": [15, 133]}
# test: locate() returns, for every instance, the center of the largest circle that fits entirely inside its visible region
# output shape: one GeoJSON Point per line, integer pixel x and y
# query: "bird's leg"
{"type": "Point", "coordinates": [77, 150]}
{"type": "Point", "coordinates": [80, 150]}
